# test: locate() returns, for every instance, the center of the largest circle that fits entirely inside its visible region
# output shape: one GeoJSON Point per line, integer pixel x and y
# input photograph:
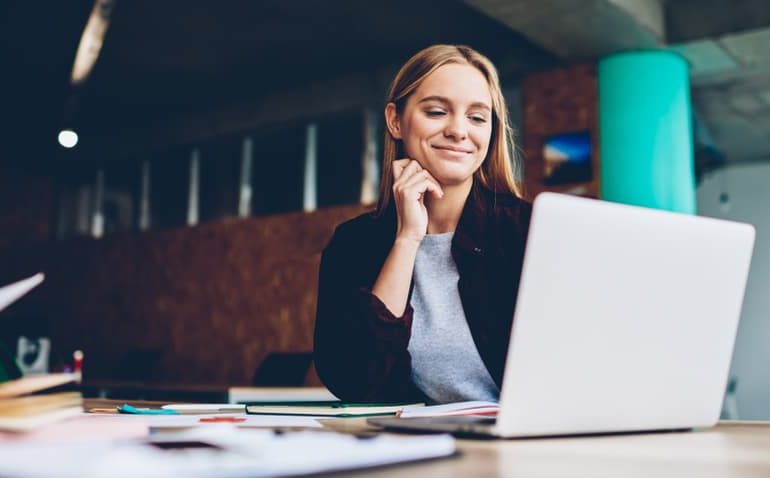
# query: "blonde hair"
{"type": "Point", "coordinates": [497, 171]}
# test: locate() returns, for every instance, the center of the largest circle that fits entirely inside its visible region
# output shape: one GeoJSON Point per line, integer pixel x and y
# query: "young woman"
{"type": "Point", "coordinates": [416, 300]}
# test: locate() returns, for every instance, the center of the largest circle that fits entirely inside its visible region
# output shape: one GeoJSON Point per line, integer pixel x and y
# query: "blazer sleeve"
{"type": "Point", "coordinates": [360, 349]}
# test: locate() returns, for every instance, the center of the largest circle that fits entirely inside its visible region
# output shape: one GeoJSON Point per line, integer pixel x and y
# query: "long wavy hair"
{"type": "Point", "coordinates": [497, 172]}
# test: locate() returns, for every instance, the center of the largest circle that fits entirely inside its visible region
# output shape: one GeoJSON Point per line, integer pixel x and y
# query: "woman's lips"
{"type": "Point", "coordinates": [452, 150]}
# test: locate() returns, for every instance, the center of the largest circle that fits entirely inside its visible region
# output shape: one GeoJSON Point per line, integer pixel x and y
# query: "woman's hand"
{"type": "Point", "coordinates": [410, 185]}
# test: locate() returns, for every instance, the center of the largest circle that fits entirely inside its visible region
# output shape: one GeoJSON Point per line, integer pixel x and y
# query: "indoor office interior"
{"type": "Point", "coordinates": [176, 168]}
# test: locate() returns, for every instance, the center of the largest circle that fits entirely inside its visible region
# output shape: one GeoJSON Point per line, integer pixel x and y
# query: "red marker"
{"type": "Point", "coordinates": [222, 420]}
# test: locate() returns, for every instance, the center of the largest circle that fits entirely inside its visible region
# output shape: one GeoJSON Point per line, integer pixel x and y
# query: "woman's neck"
{"type": "Point", "coordinates": [444, 213]}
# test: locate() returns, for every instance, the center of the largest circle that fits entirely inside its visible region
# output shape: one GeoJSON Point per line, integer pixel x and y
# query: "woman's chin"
{"type": "Point", "coordinates": [453, 180]}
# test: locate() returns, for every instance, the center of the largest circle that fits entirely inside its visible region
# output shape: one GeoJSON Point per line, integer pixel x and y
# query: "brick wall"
{"type": "Point", "coordinates": [559, 101]}
{"type": "Point", "coordinates": [26, 205]}
{"type": "Point", "coordinates": [215, 299]}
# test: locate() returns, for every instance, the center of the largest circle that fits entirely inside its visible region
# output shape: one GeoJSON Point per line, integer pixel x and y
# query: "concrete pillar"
{"type": "Point", "coordinates": [645, 130]}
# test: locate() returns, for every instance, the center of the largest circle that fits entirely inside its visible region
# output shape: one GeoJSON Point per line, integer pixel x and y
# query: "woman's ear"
{"type": "Point", "coordinates": [391, 121]}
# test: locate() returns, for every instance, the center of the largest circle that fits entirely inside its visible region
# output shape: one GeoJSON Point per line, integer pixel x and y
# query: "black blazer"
{"type": "Point", "coordinates": [360, 347]}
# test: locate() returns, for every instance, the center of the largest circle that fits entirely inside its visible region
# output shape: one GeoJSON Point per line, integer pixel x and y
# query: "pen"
{"type": "Point", "coordinates": [126, 408]}
{"type": "Point", "coordinates": [103, 410]}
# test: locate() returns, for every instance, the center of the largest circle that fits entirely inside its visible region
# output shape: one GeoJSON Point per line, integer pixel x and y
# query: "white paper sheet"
{"type": "Point", "coordinates": [203, 408]}
{"type": "Point", "coordinates": [11, 292]}
{"type": "Point", "coordinates": [240, 453]}
{"type": "Point", "coordinates": [249, 421]}
{"type": "Point", "coordinates": [448, 409]}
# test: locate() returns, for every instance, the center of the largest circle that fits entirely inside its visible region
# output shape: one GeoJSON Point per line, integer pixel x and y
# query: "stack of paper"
{"type": "Point", "coordinates": [31, 402]}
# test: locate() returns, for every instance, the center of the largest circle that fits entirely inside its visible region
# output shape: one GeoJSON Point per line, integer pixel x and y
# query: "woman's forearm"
{"type": "Point", "coordinates": [392, 285]}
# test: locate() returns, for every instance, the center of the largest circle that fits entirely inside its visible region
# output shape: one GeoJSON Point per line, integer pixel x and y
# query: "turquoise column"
{"type": "Point", "coordinates": [645, 130]}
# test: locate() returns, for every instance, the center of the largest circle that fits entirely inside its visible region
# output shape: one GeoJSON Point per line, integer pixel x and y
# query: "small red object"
{"type": "Point", "coordinates": [77, 363]}
{"type": "Point", "coordinates": [222, 420]}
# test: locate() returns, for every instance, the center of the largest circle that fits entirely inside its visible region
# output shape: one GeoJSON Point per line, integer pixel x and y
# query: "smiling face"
{"type": "Point", "coordinates": [446, 124]}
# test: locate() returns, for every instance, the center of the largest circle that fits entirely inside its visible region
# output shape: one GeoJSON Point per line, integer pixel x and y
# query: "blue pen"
{"type": "Point", "coordinates": [126, 408]}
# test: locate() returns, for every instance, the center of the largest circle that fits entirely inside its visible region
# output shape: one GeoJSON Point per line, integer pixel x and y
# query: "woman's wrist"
{"type": "Point", "coordinates": [407, 242]}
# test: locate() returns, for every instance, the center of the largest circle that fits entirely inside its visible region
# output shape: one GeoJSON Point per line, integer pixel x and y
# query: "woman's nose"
{"type": "Point", "coordinates": [456, 128]}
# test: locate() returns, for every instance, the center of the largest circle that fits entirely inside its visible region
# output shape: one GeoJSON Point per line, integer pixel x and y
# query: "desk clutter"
{"type": "Point", "coordinates": [35, 401]}
{"type": "Point", "coordinates": [218, 451]}
{"type": "Point", "coordinates": [203, 440]}
{"type": "Point", "coordinates": [44, 431]}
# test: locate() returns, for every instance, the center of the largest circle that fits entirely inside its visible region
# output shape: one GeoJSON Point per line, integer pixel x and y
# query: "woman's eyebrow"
{"type": "Point", "coordinates": [445, 100]}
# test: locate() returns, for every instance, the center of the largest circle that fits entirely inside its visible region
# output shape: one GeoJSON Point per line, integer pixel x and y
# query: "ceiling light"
{"type": "Point", "coordinates": [91, 41]}
{"type": "Point", "coordinates": [68, 138]}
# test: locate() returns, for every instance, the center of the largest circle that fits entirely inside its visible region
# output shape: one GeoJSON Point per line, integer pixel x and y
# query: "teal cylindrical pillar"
{"type": "Point", "coordinates": [645, 130]}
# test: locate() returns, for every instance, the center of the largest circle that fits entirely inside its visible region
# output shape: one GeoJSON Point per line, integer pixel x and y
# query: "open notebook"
{"type": "Point", "coordinates": [329, 409]}
{"type": "Point", "coordinates": [452, 409]}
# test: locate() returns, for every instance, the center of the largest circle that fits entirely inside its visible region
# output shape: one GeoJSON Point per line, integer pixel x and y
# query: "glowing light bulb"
{"type": "Point", "coordinates": [68, 138]}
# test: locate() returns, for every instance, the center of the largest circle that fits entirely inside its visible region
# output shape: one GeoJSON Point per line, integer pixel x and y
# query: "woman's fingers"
{"type": "Point", "coordinates": [398, 167]}
{"type": "Point", "coordinates": [423, 181]}
{"type": "Point", "coordinates": [404, 169]}
{"type": "Point", "coordinates": [435, 188]}
{"type": "Point", "coordinates": [411, 183]}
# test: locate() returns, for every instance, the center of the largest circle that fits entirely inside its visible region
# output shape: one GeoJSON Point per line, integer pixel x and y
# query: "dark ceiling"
{"type": "Point", "coordinates": [165, 59]}
{"type": "Point", "coordinates": [38, 41]}
{"type": "Point", "coordinates": [177, 55]}
{"type": "Point", "coordinates": [171, 59]}
{"type": "Point", "coordinates": [688, 20]}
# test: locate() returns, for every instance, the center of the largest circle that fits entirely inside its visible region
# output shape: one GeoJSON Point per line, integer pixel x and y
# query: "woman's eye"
{"type": "Point", "coordinates": [478, 119]}
{"type": "Point", "coordinates": [434, 113]}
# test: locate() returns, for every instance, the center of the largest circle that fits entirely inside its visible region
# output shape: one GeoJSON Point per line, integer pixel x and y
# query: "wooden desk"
{"type": "Point", "coordinates": [735, 449]}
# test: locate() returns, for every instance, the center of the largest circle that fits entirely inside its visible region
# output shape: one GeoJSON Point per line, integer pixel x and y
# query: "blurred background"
{"type": "Point", "coordinates": [176, 167]}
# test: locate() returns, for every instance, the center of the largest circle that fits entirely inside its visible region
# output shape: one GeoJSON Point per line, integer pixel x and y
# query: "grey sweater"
{"type": "Point", "coordinates": [446, 365]}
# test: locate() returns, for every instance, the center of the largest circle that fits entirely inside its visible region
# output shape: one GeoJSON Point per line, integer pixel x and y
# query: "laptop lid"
{"type": "Point", "coordinates": [625, 321]}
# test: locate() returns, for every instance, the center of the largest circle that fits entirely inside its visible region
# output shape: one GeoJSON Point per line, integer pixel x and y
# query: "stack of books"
{"type": "Point", "coordinates": [34, 401]}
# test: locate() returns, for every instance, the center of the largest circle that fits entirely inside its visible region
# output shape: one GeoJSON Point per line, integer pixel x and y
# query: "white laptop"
{"type": "Point", "coordinates": [625, 321]}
